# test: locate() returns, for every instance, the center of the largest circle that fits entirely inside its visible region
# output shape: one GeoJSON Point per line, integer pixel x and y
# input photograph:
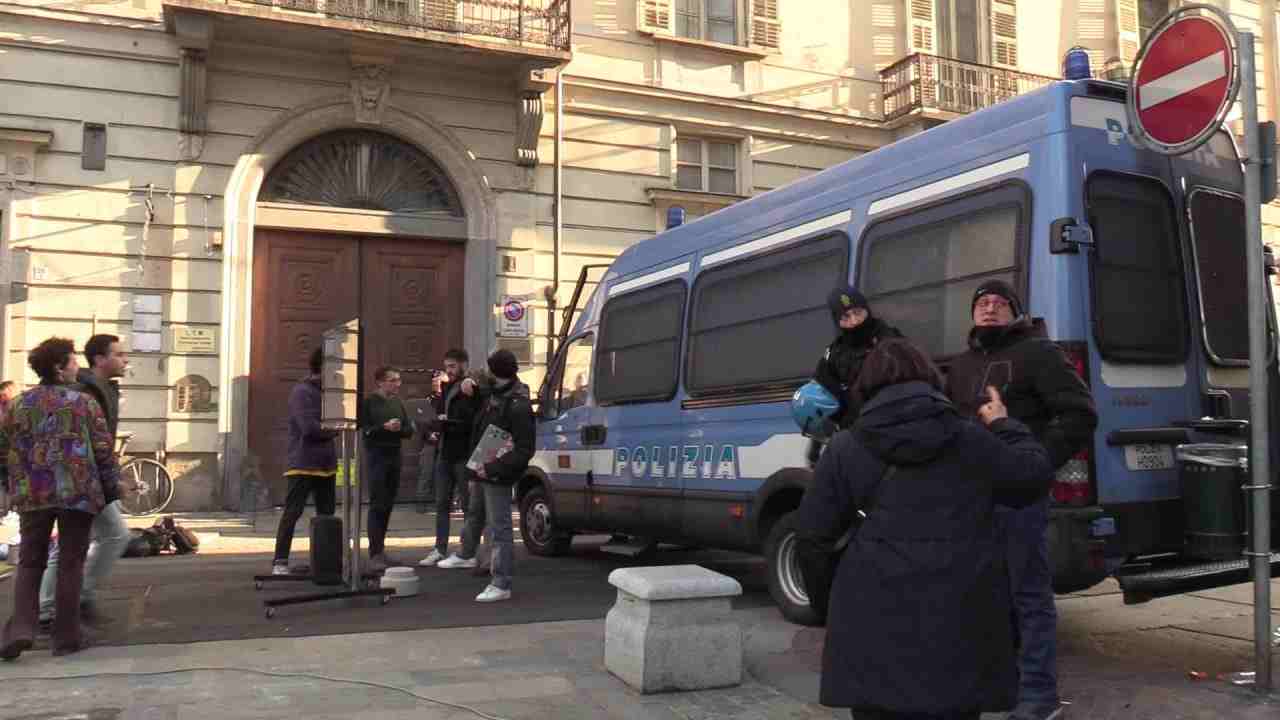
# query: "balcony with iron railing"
{"type": "Point", "coordinates": [944, 87]}
{"type": "Point", "coordinates": [522, 26]}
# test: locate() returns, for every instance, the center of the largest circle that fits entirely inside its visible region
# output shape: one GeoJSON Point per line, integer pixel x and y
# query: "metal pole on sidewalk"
{"type": "Point", "coordinates": [1260, 473]}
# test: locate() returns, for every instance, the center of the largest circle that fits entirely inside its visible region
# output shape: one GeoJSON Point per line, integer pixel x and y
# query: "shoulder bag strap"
{"type": "Point", "coordinates": [844, 540]}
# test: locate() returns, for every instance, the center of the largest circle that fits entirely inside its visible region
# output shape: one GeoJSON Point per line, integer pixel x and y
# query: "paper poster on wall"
{"type": "Point", "coordinates": [147, 323]}
{"type": "Point", "coordinates": [148, 304]}
{"type": "Point", "coordinates": [146, 342]}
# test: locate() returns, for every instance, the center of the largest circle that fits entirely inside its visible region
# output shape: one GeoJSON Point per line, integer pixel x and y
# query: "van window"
{"type": "Point", "coordinates": [1136, 256]}
{"type": "Point", "coordinates": [763, 320]}
{"type": "Point", "coordinates": [640, 345]}
{"type": "Point", "coordinates": [1218, 236]}
{"type": "Point", "coordinates": [575, 374]}
{"type": "Point", "coordinates": [920, 270]}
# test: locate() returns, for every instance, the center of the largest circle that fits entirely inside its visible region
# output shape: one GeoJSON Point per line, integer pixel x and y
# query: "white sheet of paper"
{"type": "Point", "coordinates": [148, 304]}
{"type": "Point", "coordinates": [146, 342]}
{"type": "Point", "coordinates": [146, 322]}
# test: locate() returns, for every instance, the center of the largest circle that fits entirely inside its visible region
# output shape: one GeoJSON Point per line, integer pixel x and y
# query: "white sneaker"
{"type": "Point", "coordinates": [279, 569]}
{"type": "Point", "coordinates": [493, 594]}
{"type": "Point", "coordinates": [455, 561]}
{"type": "Point", "coordinates": [431, 559]}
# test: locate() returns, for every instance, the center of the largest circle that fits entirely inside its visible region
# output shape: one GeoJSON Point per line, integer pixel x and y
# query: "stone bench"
{"type": "Point", "coordinates": [671, 628]}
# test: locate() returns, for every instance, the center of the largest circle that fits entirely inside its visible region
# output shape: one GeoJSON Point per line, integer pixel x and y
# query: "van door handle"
{"type": "Point", "coordinates": [594, 434]}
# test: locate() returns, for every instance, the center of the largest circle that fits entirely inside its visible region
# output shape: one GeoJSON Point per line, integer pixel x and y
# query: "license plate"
{"type": "Point", "coordinates": [1148, 457]}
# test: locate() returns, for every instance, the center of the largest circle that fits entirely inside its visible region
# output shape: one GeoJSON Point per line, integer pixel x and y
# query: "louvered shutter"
{"type": "Point", "coordinates": [922, 29]}
{"type": "Point", "coordinates": [1004, 33]}
{"type": "Point", "coordinates": [1127, 21]}
{"type": "Point", "coordinates": [655, 16]}
{"type": "Point", "coordinates": [766, 25]}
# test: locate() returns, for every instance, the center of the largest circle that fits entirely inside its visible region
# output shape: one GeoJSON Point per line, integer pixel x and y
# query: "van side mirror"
{"type": "Point", "coordinates": [1066, 236]}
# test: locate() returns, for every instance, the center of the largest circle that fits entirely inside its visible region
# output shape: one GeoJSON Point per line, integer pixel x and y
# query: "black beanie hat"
{"type": "Point", "coordinates": [843, 299]}
{"type": "Point", "coordinates": [503, 364]}
{"type": "Point", "coordinates": [1001, 288]}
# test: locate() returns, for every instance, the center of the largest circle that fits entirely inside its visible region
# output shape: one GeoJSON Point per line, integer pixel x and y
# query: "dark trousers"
{"type": "Point", "coordinates": [886, 715]}
{"type": "Point", "coordinates": [384, 482]}
{"type": "Point", "coordinates": [1031, 584]}
{"type": "Point", "coordinates": [36, 528]}
{"type": "Point", "coordinates": [300, 488]}
{"type": "Point", "coordinates": [451, 478]}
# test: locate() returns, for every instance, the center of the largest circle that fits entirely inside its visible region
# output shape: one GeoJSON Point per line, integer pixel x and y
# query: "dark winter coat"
{"type": "Point", "coordinates": [311, 446]}
{"type": "Point", "coordinates": [376, 411]}
{"type": "Point", "coordinates": [459, 410]}
{"type": "Point", "coordinates": [107, 394]}
{"type": "Point", "coordinates": [920, 617]}
{"type": "Point", "coordinates": [1040, 387]}
{"type": "Point", "coordinates": [842, 361]}
{"type": "Point", "coordinates": [508, 407]}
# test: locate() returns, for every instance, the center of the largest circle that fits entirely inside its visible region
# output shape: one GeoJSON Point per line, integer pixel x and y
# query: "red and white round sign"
{"type": "Point", "coordinates": [1184, 81]}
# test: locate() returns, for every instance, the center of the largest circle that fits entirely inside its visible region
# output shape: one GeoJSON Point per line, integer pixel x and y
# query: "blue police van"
{"type": "Point", "coordinates": [665, 415]}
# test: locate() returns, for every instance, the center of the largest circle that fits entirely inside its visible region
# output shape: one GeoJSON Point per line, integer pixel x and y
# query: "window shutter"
{"type": "Point", "coordinates": [1004, 33]}
{"type": "Point", "coordinates": [1127, 21]}
{"type": "Point", "coordinates": [922, 27]}
{"type": "Point", "coordinates": [655, 16]}
{"type": "Point", "coordinates": [766, 25]}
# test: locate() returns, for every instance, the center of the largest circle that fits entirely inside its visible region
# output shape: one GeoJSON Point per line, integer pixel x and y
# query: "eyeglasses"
{"type": "Point", "coordinates": [992, 303]}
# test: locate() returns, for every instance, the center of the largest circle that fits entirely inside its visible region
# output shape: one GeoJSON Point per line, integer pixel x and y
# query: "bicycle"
{"type": "Point", "coordinates": [145, 485]}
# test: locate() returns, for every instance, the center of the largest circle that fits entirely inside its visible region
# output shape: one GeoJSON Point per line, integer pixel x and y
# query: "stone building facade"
{"type": "Point", "coordinates": [219, 181]}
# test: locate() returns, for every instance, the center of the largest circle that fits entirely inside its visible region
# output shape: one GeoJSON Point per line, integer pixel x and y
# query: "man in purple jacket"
{"type": "Point", "coordinates": [313, 461]}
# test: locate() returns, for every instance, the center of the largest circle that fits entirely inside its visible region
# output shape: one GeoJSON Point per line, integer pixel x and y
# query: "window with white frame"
{"type": "Point", "coordinates": [713, 20]}
{"type": "Point", "coordinates": [707, 165]}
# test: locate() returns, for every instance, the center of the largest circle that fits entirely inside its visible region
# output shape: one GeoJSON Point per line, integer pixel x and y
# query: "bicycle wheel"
{"type": "Point", "coordinates": [152, 487]}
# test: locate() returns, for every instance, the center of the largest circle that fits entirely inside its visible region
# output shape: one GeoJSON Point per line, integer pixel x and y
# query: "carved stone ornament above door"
{"type": "Point", "coordinates": [370, 87]}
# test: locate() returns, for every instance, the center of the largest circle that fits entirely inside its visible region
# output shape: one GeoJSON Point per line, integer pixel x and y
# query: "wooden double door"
{"type": "Point", "coordinates": [407, 295]}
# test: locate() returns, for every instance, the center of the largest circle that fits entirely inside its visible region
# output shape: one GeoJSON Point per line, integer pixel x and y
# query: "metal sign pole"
{"type": "Point", "coordinates": [1260, 483]}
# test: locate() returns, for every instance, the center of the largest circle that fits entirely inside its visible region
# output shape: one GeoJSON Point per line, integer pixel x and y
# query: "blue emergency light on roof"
{"type": "Point", "coordinates": [675, 216]}
{"type": "Point", "coordinates": [1075, 66]}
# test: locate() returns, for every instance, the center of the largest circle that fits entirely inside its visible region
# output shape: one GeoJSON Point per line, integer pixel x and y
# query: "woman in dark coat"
{"type": "Point", "coordinates": [919, 625]}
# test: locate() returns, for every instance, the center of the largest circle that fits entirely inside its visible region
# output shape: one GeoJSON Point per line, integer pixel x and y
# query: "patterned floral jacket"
{"type": "Point", "coordinates": [57, 451]}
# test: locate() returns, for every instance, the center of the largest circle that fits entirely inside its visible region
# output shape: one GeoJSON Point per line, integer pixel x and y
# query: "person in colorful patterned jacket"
{"type": "Point", "coordinates": [59, 466]}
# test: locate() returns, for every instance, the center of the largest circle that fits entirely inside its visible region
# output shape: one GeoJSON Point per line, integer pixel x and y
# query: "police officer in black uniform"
{"type": "Point", "coordinates": [859, 332]}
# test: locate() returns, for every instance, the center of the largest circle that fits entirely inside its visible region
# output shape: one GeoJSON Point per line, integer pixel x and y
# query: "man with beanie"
{"type": "Point", "coordinates": [1012, 352]}
{"type": "Point", "coordinates": [859, 331]}
{"type": "Point", "coordinates": [506, 406]}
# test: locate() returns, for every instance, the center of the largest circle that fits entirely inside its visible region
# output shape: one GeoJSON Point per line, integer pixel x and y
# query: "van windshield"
{"type": "Point", "coordinates": [1218, 235]}
{"type": "Point", "coordinates": [1139, 300]}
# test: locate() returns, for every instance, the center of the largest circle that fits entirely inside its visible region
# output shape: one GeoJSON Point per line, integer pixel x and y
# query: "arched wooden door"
{"type": "Point", "coordinates": [407, 292]}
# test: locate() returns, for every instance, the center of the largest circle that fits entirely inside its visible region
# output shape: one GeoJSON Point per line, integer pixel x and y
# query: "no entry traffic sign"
{"type": "Point", "coordinates": [1185, 81]}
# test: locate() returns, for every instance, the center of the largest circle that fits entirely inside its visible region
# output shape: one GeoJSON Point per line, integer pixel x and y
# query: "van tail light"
{"type": "Point", "coordinates": [1074, 483]}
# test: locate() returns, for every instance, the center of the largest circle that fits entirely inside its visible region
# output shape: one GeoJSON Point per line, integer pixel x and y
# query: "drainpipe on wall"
{"type": "Point", "coordinates": [557, 211]}
{"type": "Point", "coordinates": [1267, 15]}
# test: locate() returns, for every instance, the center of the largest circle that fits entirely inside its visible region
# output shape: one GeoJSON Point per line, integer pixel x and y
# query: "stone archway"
{"type": "Point", "coordinates": [271, 147]}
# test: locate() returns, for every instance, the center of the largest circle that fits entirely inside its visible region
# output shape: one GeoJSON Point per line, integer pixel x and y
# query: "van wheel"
{"type": "Point", "coordinates": [536, 527]}
{"type": "Point", "coordinates": [786, 584]}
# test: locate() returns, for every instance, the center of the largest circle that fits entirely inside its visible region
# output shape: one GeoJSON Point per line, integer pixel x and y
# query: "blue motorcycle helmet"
{"type": "Point", "coordinates": [812, 407]}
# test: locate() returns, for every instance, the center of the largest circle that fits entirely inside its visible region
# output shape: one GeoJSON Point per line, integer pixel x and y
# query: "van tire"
{"type": "Point", "coordinates": [785, 583]}
{"type": "Point", "coordinates": [537, 528]}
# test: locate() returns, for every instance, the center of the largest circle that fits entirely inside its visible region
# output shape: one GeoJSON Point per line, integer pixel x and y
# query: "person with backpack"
{"type": "Point", "coordinates": [312, 468]}
{"type": "Point", "coordinates": [109, 534]}
{"type": "Point", "coordinates": [506, 408]}
{"type": "Point", "coordinates": [919, 624]}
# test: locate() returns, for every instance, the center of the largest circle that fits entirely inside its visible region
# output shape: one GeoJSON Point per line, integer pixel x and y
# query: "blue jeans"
{"type": "Point", "coordinates": [450, 478]}
{"type": "Point", "coordinates": [1025, 534]}
{"type": "Point", "coordinates": [110, 537]}
{"type": "Point", "coordinates": [491, 511]}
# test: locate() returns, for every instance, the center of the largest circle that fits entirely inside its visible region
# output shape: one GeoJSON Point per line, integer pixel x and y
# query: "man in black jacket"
{"type": "Point", "coordinates": [506, 407]}
{"type": "Point", "coordinates": [451, 430]}
{"type": "Point", "coordinates": [1011, 352]}
{"type": "Point", "coordinates": [107, 362]}
{"type": "Point", "coordinates": [859, 331]}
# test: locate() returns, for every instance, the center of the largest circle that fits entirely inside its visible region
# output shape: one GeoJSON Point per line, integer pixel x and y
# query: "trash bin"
{"type": "Point", "coordinates": [1213, 503]}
